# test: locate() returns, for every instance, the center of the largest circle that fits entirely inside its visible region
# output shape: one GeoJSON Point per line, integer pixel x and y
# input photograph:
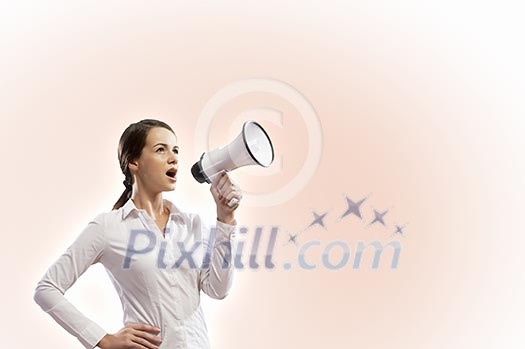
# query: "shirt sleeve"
{"type": "Point", "coordinates": [86, 250]}
{"type": "Point", "coordinates": [216, 273]}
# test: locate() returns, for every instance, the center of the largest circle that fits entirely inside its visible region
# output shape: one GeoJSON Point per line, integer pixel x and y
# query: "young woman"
{"type": "Point", "coordinates": [158, 257]}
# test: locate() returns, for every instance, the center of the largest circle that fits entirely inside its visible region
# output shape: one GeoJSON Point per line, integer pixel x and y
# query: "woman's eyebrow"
{"type": "Point", "coordinates": [164, 144]}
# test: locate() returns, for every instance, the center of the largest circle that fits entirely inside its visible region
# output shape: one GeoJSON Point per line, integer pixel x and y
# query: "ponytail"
{"type": "Point", "coordinates": [123, 199]}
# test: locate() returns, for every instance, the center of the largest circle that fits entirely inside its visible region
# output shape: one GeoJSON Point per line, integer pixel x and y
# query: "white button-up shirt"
{"type": "Point", "coordinates": [158, 278]}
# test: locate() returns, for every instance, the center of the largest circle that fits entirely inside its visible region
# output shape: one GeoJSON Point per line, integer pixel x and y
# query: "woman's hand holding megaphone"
{"type": "Point", "coordinates": [227, 196]}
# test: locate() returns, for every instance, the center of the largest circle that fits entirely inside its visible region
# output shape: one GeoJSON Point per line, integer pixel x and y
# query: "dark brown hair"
{"type": "Point", "coordinates": [130, 147]}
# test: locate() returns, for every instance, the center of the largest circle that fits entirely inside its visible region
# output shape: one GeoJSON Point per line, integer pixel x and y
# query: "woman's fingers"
{"type": "Point", "coordinates": [233, 199]}
{"type": "Point", "coordinates": [148, 337]}
{"type": "Point", "coordinates": [142, 343]}
{"type": "Point", "coordinates": [136, 346]}
{"type": "Point", "coordinates": [224, 186]}
{"type": "Point", "coordinates": [145, 336]}
{"type": "Point", "coordinates": [221, 184]}
{"type": "Point", "coordinates": [233, 194]}
{"type": "Point", "coordinates": [133, 336]}
{"type": "Point", "coordinates": [233, 202]}
{"type": "Point", "coordinates": [224, 178]}
{"type": "Point", "coordinates": [217, 183]}
{"type": "Point", "coordinates": [143, 327]}
{"type": "Point", "coordinates": [227, 187]}
{"type": "Point", "coordinates": [225, 191]}
{"type": "Point", "coordinates": [219, 179]}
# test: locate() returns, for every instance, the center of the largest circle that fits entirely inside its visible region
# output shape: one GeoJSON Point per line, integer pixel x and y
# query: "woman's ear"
{"type": "Point", "coordinates": [133, 166]}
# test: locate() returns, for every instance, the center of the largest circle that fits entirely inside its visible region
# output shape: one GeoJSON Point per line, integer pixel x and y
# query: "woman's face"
{"type": "Point", "coordinates": [159, 156]}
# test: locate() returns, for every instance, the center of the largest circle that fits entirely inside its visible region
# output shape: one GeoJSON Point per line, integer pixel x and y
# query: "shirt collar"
{"type": "Point", "coordinates": [129, 206]}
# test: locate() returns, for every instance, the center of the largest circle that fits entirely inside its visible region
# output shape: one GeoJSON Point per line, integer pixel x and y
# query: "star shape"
{"type": "Point", "coordinates": [399, 230]}
{"type": "Point", "coordinates": [318, 219]}
{"type": "Point", "coordinates": [379, 217]}
{"type": "Point", "coordinates": [353, 207]}
{"type": "Point", "coordinates": [292, 238]}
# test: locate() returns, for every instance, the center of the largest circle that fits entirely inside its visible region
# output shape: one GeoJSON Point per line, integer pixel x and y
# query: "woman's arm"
{"type": "Point", "coordinates": [216, 274]}
{"type": "Point", "coordinates": [220, 244]}
{"type": "Point", "coordinates": [86, 250]}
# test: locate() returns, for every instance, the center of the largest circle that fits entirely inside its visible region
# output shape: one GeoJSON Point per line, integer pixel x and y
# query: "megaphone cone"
{"type": "Point", "coordinates": [251, 147]}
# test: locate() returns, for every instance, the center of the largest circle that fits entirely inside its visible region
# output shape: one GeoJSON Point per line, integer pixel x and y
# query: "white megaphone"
{"type": "Point", "coordinates": [251, 147]}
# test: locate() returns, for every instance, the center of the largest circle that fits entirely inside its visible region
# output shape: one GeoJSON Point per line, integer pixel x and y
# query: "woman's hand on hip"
{"type": "Point", "coordinates": [132, 336]}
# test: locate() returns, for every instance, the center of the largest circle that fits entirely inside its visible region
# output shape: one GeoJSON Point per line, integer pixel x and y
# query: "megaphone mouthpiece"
{"type": "Point", "coordinates": [197, 172]}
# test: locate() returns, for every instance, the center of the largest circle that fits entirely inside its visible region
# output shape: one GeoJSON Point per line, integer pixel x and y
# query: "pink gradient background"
{"type": "Point", "coordinates": [420, 105]}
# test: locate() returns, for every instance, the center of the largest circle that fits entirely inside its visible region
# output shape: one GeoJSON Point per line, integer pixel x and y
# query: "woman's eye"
{"type": "Point", "coordinates": [175, 150]}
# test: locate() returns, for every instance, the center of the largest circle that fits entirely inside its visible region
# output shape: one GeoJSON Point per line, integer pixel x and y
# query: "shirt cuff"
{"type": "Point", "coordinates": [226, 231]}
{"type": "Point", "coordinates": [92, 335]}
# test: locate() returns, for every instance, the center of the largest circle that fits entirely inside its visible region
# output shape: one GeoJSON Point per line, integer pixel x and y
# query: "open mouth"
{"type": "Point", "coordinates": [171, 173]}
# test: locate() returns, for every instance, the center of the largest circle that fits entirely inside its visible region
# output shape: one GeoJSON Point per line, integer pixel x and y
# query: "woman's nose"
{"type": "Point", "coordinates": [174, 157]}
